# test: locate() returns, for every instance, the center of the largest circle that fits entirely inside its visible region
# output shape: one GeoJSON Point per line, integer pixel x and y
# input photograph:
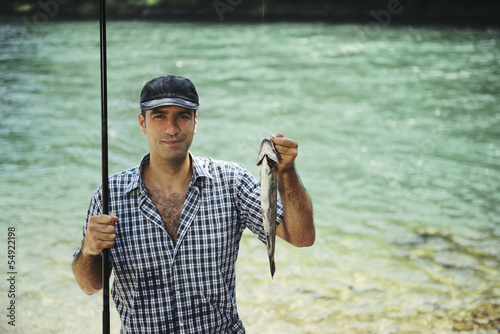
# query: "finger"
{"type": "Point", "coordinates": [96, 241]}
{"type": "Point", "coordinates": [286, 152]}
{"type": "Point", "coordinates": [104, 219]}
{"type": "Point", "coordinates": [107, 229]}
{"type": "Point", "coordinates": [94, 228]}
{"type": "Point", "coordinates": [100, 236]}
{"type": "Point", "coordinates": [285, 142]}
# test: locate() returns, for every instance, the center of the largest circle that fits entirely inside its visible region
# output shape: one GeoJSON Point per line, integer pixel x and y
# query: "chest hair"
{"type": "Point", "coordinates": [170, 208]}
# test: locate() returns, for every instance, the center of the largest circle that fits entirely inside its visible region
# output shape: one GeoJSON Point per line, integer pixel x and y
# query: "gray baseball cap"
{"type": "Point", "coordinates": [171, 90]}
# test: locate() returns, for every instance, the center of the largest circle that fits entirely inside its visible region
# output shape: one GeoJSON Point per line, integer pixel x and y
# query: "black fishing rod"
{"type": "Point", "coordinates": [104, 161]}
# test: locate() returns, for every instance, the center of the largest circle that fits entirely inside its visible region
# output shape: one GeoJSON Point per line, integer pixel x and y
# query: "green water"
{"type": "Point", "coordinates": [399, 149]}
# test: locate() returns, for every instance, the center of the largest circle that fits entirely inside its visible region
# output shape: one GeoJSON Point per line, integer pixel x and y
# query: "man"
{"type": "Point", "coordinates": [177, 222]}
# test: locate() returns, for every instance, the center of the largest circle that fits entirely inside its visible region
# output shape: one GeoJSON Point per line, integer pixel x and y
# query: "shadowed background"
{"type": "Point", "coordinates": [398, 131]}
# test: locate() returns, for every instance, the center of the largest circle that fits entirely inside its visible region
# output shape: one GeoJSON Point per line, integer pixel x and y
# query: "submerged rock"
{"type": "Point", "coordinates": [484, 316]}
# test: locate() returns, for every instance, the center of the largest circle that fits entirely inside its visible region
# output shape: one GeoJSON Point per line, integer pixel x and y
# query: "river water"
{"type": "Point", "coordinates": [399, 134]}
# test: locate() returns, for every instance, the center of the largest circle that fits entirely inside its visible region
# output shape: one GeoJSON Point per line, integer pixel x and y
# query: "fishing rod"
{"type": "Point", "coordinates": [104, 161]}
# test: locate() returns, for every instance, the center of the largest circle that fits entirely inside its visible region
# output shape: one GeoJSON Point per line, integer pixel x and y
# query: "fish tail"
{"type": "Point", "coordinates": [270, 252]}
{"type": "Point", "coordinates": [272, 266]}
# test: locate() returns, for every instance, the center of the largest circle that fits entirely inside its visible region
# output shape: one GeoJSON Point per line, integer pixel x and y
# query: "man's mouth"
{"type": "Point", "coordinates": [172, 142]}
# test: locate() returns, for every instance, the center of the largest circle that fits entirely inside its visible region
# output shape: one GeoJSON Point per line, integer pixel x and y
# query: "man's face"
{"type": "Point", "coordinates": [170, 131]}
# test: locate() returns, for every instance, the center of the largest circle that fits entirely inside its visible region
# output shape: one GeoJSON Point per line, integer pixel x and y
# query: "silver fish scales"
{"type": "Point", "coordinates": [268, 160]}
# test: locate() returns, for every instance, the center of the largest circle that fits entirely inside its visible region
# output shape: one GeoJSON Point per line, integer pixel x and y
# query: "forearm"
{"type": "Point", "coordinates": [297, 227]}
{"type": "Point", "coordinates": [88, 272]}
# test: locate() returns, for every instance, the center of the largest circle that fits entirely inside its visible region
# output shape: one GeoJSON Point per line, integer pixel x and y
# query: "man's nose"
{"type": "Point", "coordinates": [172, 127]}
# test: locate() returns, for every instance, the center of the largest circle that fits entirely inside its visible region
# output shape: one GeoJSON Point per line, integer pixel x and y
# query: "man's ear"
{"type": "Point", "coordinates": [195, 121]}
{"type": "Point", "coordinates": [142, 122]}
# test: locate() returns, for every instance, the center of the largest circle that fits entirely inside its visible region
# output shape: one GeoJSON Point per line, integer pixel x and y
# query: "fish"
{"type": "Point", "coordinates": [268, 159]}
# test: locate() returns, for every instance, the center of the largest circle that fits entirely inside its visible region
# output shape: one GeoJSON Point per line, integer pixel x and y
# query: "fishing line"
{"type": "Point", "coordinates": [263, 10]}
{"type": "Point", "coordinates": [276, 119]}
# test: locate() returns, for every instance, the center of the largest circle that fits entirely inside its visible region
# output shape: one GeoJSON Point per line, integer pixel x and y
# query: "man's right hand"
{"type": "Point", "coordinates": [101, 234]}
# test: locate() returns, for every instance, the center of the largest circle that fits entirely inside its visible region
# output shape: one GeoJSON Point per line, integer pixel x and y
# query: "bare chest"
{"type": "Point", "coordinates": [169, 207]}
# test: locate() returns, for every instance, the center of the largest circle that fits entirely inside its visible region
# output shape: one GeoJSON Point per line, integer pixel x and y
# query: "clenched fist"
{"type": "Point", "coordinates": [101, 234]}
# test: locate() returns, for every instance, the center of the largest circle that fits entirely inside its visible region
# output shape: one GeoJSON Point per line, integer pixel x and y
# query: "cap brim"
{"type": "Point", "coordinates": [168, 102]}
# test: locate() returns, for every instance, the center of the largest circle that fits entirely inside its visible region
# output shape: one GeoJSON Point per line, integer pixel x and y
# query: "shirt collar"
{"type": "Point", "coordinates": [201, 176]}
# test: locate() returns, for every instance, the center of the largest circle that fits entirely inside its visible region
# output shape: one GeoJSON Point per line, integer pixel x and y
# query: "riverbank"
{"type": "Point", "coordinates": [381, 17]}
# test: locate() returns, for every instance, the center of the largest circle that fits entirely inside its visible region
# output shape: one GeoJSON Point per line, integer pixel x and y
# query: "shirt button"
{"type": "Point", "coordinates": [181, 324]}
{"type": "Point", "coordinates": [178, 292]}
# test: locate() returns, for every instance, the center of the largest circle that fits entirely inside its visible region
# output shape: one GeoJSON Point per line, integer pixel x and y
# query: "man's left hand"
{"type": "Point", "coordinates": [288, 150]}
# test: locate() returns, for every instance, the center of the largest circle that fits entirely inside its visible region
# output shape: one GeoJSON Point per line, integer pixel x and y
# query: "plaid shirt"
{"type": "Point", "coordinates": [188, 286]}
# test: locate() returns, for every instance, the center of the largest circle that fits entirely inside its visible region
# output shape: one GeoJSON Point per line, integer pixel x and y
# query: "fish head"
{"type": "Point", "coordinates": [267, 149]}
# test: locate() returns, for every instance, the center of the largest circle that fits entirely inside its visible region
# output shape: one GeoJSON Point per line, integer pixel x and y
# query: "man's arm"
{"type": "Point", "coordinates": [87, 264]}
{"type": "Point", "coordinates": [88, 272]}
{"type": "Point", "coordinates": [297, 226]}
